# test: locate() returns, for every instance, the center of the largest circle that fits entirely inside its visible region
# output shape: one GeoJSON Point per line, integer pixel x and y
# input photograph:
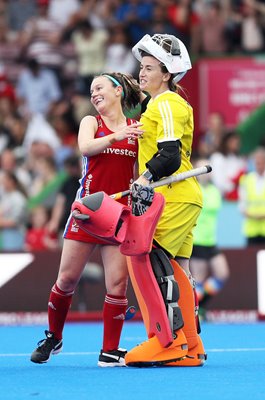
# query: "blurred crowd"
{"type": "Point", "coordinates": [49, 52]}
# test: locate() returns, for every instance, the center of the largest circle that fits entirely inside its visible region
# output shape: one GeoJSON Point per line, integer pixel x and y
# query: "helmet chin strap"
{"type": "Point", "coordinates": [179, 76]}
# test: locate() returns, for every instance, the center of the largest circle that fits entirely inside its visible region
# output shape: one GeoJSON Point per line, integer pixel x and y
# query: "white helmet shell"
{"type": "Point", "coordinates": [169, 50]}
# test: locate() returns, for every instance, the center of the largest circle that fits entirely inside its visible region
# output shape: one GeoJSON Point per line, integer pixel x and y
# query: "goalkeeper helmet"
{"type": "Point", "coordinates": [169, 50]}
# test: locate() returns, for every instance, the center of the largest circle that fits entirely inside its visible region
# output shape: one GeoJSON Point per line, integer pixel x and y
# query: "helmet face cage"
{"type": "Point", "coordinates": [168, 49]}
{"type": "Point", "coordinates": [168, 43]}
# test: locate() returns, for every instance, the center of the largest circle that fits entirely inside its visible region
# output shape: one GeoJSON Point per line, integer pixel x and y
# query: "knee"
{"type": "Point", "coordinates": [223, 275]}
{"type": "Point", "coordinates": [67, 282]}
{"type": "Point", "coordinates": [118, 287]}
{"type": "Point", "coordinates": [221, 268]}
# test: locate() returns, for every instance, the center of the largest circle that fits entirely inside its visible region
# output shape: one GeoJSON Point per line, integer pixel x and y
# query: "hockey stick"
{"type": "Point", "coordinates": [166, 181]}
{"type": "Point", "coordinates": [170, 179]}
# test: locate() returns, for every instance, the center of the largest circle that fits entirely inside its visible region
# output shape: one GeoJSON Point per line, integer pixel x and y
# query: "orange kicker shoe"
{"type": "Point", "coordinates": [150, 353]}
{"type": "Point", "coordinates": [196, 357]}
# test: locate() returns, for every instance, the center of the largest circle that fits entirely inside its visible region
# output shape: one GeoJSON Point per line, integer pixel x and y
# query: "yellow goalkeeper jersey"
{"type": "Point", "coordinates": [169, 117]}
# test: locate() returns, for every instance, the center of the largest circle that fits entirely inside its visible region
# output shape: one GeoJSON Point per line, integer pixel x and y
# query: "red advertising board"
{"type": "Point", "coordinates": [234, 87]}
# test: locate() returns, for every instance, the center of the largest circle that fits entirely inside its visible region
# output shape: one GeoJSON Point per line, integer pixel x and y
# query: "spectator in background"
{"type": "Point", "coordinates": [37, 89]}
{"type": "Point", "coordinates": [19, 12]}
{"type": "Point", "coordinates": [46, 183]}
{"type": "Point", "coordinates": [252, 200]}
{"type": "Point", "coordinates": [213, 29]}
{"type": "Point", "coordinates": [90, 48]}
{"type": "Point", "coordinates": [9, 50]}
{"type": "Point", "coordinates": [39, 134]}
{"type": "Point", "coordinates": [4, 137]}
{"type": "Point", "coordinates": [118, 52]}
{"type": "Point", "coordinates": [252, 27]}
{"type": "Point", "coordinates": [62, 11]}
{"type": "Point", "coordinates": [6, 87]}
{"type": "Point", "coordinates": [37, 237]}
{"type": "Point", "coordinates": [64, 123]}
{"type": "Point", "coordinates": [41, 37]}
{"type": "Point", "coordinates": [7, 96]}
{"type": "Point", "coordinates": [65, 197]}
{"type": "Point", "coordinates": [228, 166]}
{"type": "Point", "coordinates": [100, 14]}
{"type": "Point", "coordinates": [3, 9]}
{"type": "Point", "coordinates": [185, 21]}
{"type": "Point", "coordinates": [13, 215]}
{"type": "Point", "coordinates": [9, 163]}
{"type": "Point", "coordinates": [7, 108]}
{"type": "Point", "coordinates": [208, 263]}
{"type": "Point", "coordinates": [233, 25]}
{"type": "Point", "coordinates": [16, 129]}
{"type": "Point", "coordinates": [210, 140]}
{"type": "Point", "coordinates": [40, 141]}
{"type": "Point", "coordinates": [136, 15]}
{"type": "Point", "coordinates": [160, 21]}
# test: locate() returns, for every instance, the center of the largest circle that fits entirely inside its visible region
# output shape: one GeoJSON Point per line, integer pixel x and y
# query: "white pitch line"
{"type": "Point", "coordinates": [234, 350]}
{"type": "Point", "coordinates": [83, 353]}
{"type": "Point", "coordinates": [90, 353]}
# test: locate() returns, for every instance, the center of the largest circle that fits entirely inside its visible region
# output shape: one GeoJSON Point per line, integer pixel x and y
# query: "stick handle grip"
{"type": "Point", "coordinates": [182, 176]}
{"type": "Point", "coordinates": [170, 179]}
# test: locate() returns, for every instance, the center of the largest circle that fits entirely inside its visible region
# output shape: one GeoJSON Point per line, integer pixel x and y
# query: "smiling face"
{"type": "Point", "coordinates": [151, 77]}
{"type": "Point", "coordinates": [103, 94]}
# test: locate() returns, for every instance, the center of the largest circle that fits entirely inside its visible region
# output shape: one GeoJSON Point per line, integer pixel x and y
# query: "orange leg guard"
{"type": "Point", "coordinates": [157, 350]}
{"type": "Point", "coordinates": [196, 355]}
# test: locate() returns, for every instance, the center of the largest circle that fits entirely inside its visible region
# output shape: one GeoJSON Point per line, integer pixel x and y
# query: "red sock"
{"type": "Point", "coordinates": [113, 317]}
{"type": "Point", "coordinates": [58, 306]}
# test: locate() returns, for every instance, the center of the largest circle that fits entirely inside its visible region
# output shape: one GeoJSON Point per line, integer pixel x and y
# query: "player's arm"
{"type": "Point", "coordinates": [166, 161]}
{"type": "Point", "coordinates": [87, 143]}
{"type": "Point", "coordinates": [90, 146]}
{"type": "Point", "coordinates": [169, 131]}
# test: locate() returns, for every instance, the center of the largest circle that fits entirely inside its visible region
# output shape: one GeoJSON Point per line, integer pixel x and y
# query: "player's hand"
{"type": "Point", "coordinates": [142, 181]}
{"type": "Point", "coordinates": [129, 131]}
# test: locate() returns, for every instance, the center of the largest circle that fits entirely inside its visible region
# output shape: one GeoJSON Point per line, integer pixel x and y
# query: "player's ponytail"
{"type": "Point", "coordinates": [131, 89]}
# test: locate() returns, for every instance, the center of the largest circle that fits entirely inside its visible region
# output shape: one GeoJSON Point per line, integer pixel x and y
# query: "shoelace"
{"type": "Point", "coordinates": [46, 344]}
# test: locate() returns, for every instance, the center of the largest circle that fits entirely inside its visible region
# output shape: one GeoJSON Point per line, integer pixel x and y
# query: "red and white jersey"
{"type": "Point", "coordinates": [112, 170]}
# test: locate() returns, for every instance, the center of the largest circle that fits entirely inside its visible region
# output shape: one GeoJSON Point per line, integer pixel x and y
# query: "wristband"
{"type": "Point", "coordinates": [147, 175]}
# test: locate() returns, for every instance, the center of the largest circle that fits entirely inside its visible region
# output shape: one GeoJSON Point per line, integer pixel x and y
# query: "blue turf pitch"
{"type": "Point", "coordinates": [235, 368]}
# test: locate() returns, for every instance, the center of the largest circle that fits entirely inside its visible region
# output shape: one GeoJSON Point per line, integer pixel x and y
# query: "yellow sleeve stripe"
{"type": "Point", "coordinates": [167, 119]}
